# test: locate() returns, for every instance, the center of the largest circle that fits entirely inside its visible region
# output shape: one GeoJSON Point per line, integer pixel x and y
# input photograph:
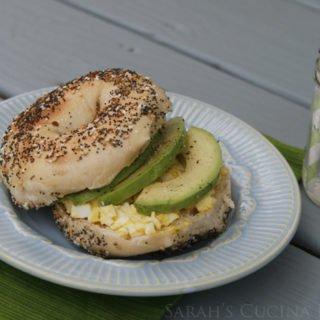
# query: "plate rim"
{"type": "Point", "coordinates": [183, 288]}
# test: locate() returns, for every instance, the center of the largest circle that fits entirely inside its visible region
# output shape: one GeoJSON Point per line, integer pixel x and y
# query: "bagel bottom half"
{"type": "Point", "coordinates": [190, 227]}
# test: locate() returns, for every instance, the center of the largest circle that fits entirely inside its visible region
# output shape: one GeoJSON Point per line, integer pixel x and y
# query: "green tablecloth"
{"type": "Point", "coordinates": [27, 298]}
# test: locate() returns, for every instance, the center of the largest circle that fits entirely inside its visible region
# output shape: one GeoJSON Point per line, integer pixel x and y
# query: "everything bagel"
{"type": "Point", "coordinates": [80, 136]}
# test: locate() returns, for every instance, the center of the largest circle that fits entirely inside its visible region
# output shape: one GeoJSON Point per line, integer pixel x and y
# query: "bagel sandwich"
{"type": "Point", "coordinates": [123, 180]}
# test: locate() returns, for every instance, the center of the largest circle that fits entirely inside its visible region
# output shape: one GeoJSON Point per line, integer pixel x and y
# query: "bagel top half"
{"type": "Point", "coordinates": [80, 136]}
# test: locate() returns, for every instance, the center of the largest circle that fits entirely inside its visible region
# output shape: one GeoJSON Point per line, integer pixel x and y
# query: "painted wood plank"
{"type": "Point", "coordinates": [270, 43]}
{"type": "Point", "coordinates": [288, 289]}
{"type": "Point", "coordinates": [312, 4]}
{"type": "Point", "coordinates": [307, 235]}
{"type": "Point", "coordinates": [45, 43]}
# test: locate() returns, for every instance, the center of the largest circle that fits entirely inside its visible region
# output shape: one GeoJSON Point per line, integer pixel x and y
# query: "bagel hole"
{"type": "Point", "coordinates": [77, 113]}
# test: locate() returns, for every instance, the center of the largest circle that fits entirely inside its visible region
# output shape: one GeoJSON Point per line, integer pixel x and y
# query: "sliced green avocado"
{"type": "Point", "coordinates": [170, 144]}
{"type": "Point", "coordinates": [88, 195]}
{"type": "Point", "coordinates": [203, 163]}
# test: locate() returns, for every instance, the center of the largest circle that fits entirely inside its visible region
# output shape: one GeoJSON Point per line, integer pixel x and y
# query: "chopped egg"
{"type": "Point", "coordinates": [136, 229]}
{"type": "Point", "coordinates": [123, 232]}
{"type": "Point", "coordinates": [206, 203]}
{"type": "Point", "coordinates": [107, 215]}
{"type": "Point", "coordinates": [123, 219]}
{"type": "Point", "coordinates": [120, 222]}
{"type": "Point", "coordinates": [150, 229]}
{"type": "Point", "coordinates": [167, 218]}
{"type": "Point", "coordinates": [109, 210]}
{"type": "Point", "coordinates": [80, 212]}
{"type": "Point", "coordinates": [155, 221]}
{"type": "Point", "coordinates": [94, 215]}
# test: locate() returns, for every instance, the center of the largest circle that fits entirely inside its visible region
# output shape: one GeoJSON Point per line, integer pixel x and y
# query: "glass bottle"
{"type": "Point", "coordinates": [311, 165]}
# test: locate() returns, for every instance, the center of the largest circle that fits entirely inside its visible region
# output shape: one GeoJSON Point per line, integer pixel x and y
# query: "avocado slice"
{"type": "Point", "coordinates": [170, 144]}
{"type": "Point", "coordinates": [203, 163]}
{"type": "Point", "coordinates": [88, 195]}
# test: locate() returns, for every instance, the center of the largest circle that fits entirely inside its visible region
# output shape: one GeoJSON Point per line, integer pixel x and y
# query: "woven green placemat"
{"type": "Point", "coordinates": [24, 297]}
{"type": "Point", "coordinates": [293, 155]}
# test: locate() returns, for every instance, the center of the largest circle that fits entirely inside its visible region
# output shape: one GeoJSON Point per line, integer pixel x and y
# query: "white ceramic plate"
{"type": "Point", "coordinates": [265, 219]}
